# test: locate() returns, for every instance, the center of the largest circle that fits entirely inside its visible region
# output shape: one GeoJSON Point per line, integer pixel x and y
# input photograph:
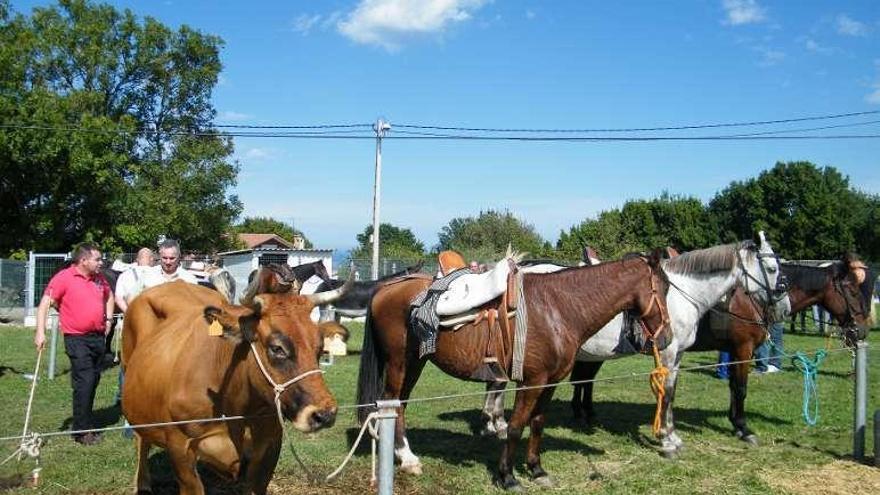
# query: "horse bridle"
{"type": "Point", "coordinates": [851, 332]}
{"type": "Point", "coordinates": [655, 300]}
{"type": "Point", "coordinates": [773, 295]}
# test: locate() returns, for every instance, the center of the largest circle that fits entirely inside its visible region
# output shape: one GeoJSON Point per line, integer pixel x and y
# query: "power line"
{"type": "Point", "coordinates": [643, 129]}
{"type": "Point", "coordinates": [324, 126]}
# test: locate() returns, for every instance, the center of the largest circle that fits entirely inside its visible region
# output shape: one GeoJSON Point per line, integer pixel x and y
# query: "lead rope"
{"type": "Point", "coordinates": [659, 373]}
{"type": "Point", "coordinates": [30, 444]}
{"type": "Point", "coordinates": [279, 389]}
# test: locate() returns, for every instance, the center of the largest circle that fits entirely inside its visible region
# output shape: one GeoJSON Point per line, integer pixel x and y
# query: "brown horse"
{"type": "Point", "coordinates": [563, 310]}
{"type": "Point", "coordinates": [844, 288]}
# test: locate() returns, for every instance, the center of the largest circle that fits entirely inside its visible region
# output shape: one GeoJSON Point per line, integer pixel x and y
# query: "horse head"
{"type": "Point", "coordinates": [849, 296]}
{"type": "Point", "coordinates": [759, 269]}
{"type": "Point", "coordinates": [650, 299]}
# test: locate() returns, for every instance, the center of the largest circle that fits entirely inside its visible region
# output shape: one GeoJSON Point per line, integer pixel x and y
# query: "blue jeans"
{"type": "Point", "coordinates": [770, 354]}
{"type": "Point", "coordinates": [722, 370]}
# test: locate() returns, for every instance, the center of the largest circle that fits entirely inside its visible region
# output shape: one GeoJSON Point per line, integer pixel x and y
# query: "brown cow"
{"type": "Point", "coordinates": [175, 371]}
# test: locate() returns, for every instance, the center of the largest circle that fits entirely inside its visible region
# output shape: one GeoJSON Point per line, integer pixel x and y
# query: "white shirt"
{"type": "Point", "coordinates": [155, 276]}
{"type": "Point", "coordinates": [131, 282]}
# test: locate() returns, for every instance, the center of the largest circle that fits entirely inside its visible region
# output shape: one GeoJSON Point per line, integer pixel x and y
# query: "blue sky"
{"type": "Point", "coordinates": [527, 64]}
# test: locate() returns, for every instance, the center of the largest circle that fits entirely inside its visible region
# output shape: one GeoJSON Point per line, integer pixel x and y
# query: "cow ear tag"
{"type": "Point", "coordinates": [216, 329]}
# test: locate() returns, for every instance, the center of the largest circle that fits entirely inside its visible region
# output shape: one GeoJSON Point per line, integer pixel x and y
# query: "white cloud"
{"type": "Point", "coordinates": [387, 22]}
{"type": "Point", "coordinates": [230, 116]}
{"type": "Point", "coordinates": [257, 153]}
{"type": "Point", "coordinates": [874, 97]}
{"type": "Point", "coordinates": [743, 12]}
{"type": "Point", "coordinates": [305, 22]}
{"type": "Point", "coordinates": [769, 56]}
{"type": "Point", "coordinates": [848, 26]}
{"type": "Point", "coordinates": [814, 46]}
{"type": "Point", "coordinates": [530, 14]}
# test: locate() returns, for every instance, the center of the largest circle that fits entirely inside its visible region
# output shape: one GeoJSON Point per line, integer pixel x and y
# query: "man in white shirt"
{"type": "Point", "coordinates": [169, 268]}
{"type": "Point", "coordinates": [131, 282]}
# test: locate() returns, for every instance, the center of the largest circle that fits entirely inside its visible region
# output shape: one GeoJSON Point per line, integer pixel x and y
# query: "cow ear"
{"type": "Point", "coordinates": [238, 323]}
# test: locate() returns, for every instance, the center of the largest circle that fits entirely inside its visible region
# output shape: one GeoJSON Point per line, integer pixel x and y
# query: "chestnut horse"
{"type": "Point", "coordinates": [564, 309]}
{"type": "Point", "coordinates": [844, 288]}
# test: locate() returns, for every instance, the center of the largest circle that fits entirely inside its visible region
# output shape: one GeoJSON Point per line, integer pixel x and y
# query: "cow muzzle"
{"type": "Point", "coordinates": [312, 418]}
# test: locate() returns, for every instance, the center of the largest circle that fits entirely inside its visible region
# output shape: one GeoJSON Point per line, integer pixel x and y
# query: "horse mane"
{"type": "Point", "coordinates": [709, 260]}
{"type": "Point", "coordinates": [808, 278]}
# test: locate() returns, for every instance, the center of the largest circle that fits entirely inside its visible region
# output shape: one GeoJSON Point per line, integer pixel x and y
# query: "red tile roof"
{"type": "Point", "coordinates": [256, 240]}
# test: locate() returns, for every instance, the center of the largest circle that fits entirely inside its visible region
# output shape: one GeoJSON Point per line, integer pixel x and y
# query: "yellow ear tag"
{"type": "Point", "coordinates": [216, 329]}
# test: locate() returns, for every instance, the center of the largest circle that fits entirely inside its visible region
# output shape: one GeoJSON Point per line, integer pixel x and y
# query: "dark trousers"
{"type": "Point", "coordinates": [86, 353]}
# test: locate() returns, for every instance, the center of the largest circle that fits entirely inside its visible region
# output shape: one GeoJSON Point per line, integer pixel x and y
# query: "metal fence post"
{"type": "Point", "coordinates": [29, 291]}
{"type": "Point", "coordinates": [861, 402]}
{"type": "Point", "coordinates": [53, 345]}
{"type": "Point", "coordinates": [877, 438]}
{"type": "Point", "coordinates": [387, 419]}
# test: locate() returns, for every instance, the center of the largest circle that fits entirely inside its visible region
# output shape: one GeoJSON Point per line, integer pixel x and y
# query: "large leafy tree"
{"type": "Point", "coordinates": [109, 133]}
{"type": "Point", "coordinates": [642, 225]}
{"type": "Point", "coordinates": [394, 242]}
{"type": "Point", "coordinates": [806, 210]}
{"type": "Point", "coordinates": [487, 235]}
{"type": "Point", "coordinates": [268, 225]}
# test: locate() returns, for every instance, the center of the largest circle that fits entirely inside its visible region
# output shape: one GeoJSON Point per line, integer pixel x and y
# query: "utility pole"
{"type": "Point", "coordinates": [380, 127]}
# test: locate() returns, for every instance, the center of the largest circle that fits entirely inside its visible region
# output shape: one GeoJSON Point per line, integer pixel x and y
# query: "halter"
{"type": "Point", "coordinates": [280, 388]}
{"type": "Point", "coordinates": [770, 299]}
{"type": "Point", "coordinates": [655, 300]}
{"type": "Point", "coordinates": [848, 324]}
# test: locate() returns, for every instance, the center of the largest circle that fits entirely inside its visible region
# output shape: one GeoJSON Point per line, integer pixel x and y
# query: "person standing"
{"type": "Point", "coordinates": [131, 281]}
{"type": "Point", "coordinates": [169, 269]}
{"type": "Point", "coordinates": [85, 307]}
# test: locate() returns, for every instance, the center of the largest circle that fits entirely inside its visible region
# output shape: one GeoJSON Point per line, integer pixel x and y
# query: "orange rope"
{"type": "Point", "coordinates": [658, 386]}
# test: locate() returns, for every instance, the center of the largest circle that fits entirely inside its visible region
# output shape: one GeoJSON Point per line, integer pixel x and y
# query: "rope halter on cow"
{"type": "Point", "coordinates": [280, 388]}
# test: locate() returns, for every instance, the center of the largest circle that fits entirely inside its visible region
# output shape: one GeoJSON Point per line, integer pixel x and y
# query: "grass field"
{"type": "Point", "coordinates": [618, 456]}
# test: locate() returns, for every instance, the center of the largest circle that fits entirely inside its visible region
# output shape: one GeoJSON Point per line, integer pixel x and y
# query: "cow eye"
{"type": "Point", "coordinates": [277, 350]}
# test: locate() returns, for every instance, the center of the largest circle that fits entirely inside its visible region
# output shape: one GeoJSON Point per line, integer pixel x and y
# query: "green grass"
{"type": "Point", "coordinates": [619, 456]}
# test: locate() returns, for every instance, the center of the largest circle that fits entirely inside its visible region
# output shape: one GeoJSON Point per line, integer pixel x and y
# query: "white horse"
{"type": "Point", "coordinates": [698, 280]}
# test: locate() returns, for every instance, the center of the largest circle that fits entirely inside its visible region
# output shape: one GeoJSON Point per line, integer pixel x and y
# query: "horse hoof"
{"type": "Point", "coordinates": [510, 485]}
{"type": "Point", "coordinates": [488, 432]}
{"type": "Point", "coordinates": [751, 440]}
{"type": "Point", "coordinates": [544, 481]}
{"type": "Point", "coordinates": [414, 469]}
{"type": "Point", "coordinates": [671, 454]}
{"type": "Point", "coordinates": [502, 434]}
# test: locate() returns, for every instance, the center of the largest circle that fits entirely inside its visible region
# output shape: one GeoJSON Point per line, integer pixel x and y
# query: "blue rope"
{"type": "Point", "coordinates": [809, 368]}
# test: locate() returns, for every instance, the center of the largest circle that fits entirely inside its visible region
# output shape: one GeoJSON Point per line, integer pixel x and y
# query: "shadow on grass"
{"type": "Point", "coordinates": [463, 450]}
{"type": "Point", "coordinates": [163, 481]}
{"type": "Point", "coordinates": [107, 416]}
{"type": "Point", "coordinates": [619, 418]}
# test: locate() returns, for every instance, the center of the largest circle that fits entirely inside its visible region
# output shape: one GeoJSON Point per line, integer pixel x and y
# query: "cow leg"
{"type": "Point", "coordinates": [522, 413]}
{"type": "Point", "coordinates": [399, 384]}
{"type": "Point", "coordinates": [183, 460]}
{"type": "Point", "coordinates": [220, 453]}
{"type": "Point", "coordinates": [494, 423]}
{"type": "Point", "coordinates": [142, 479]}
{"type": "Point", "coordinates": [267, 438]}
{"type": "Point", "coordinates": [738, 384]}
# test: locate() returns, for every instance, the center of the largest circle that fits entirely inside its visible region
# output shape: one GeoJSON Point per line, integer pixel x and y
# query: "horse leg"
{"type": "Point", "coordinates": [670, 443]}
{"type": "Point", "coordinates": [738, 383]}
{"type": "Point", "coordinates": [582, 398]}
{"type": "Point", "coordinates": [400, 385]}
{"type": "Point", "coordinates": [522, 413]}
{"type": "Point", "coordinates": [493, 420]}
{"type": "Point", "coordinates": [536, 433]}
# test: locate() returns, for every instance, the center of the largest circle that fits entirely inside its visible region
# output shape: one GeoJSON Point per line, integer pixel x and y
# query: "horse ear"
{"type": "Point", "coordinates": [655, 257]}
{"type": "Point", "coordinates": [670, 252]}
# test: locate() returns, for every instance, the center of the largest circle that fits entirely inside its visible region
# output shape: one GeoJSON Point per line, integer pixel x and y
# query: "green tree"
{"type": "Point", "coordinates": [114, 140]}
{"type": "Point", "coordinates": [642, 225]}
{"type": "Point", "coordinates": [486, 236]}
{"type": "Point", "coordinates": [808, 212]}
{"type": "Point", "coordinates": [268, 225]}
{"type": "Point", "coordinates": [394, 242]}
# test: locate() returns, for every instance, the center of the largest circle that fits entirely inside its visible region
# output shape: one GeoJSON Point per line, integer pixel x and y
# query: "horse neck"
{"type": "Point", "coordinates": [698, 291]}
{"type": "Point", "coordinates": [800, 296]}
{"type": "Point", "coordinates": [585, 299]}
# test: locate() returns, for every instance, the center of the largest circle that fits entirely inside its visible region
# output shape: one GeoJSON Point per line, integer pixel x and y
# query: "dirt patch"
{"type": "Point", "coordinates": [838, 477]}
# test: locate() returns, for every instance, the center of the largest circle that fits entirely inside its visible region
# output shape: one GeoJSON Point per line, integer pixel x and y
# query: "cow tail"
{"type": "Point", "coordinates": [372, 369]}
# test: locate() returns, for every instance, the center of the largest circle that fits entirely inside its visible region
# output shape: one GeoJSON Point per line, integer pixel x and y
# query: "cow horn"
{"type": "Point", "coordinates": [320, 298]}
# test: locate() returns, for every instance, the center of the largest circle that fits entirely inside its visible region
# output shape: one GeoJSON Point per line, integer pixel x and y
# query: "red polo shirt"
{"type": "Point", "coordinates": [81, 300]}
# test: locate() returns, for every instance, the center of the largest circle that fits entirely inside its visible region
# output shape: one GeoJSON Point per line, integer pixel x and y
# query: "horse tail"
{"type": "Point", "coordinates": [372, 368]}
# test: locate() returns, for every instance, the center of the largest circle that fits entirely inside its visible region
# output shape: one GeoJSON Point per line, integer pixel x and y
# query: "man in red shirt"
{"type": "Point", "coordinates": [85, 307]}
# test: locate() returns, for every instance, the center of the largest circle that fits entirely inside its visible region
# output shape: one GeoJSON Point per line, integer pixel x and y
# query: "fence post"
{"type": "Point", "coordinates": [877, 438]}
{"type": "Point", "coordinates": [29, 291]}
{"type": "Point", "coordinates": [53, 344]}
{"type": "Point", "coordinates": [387, 419]}
{"type": "Point", "coordinates": [861, 402]}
